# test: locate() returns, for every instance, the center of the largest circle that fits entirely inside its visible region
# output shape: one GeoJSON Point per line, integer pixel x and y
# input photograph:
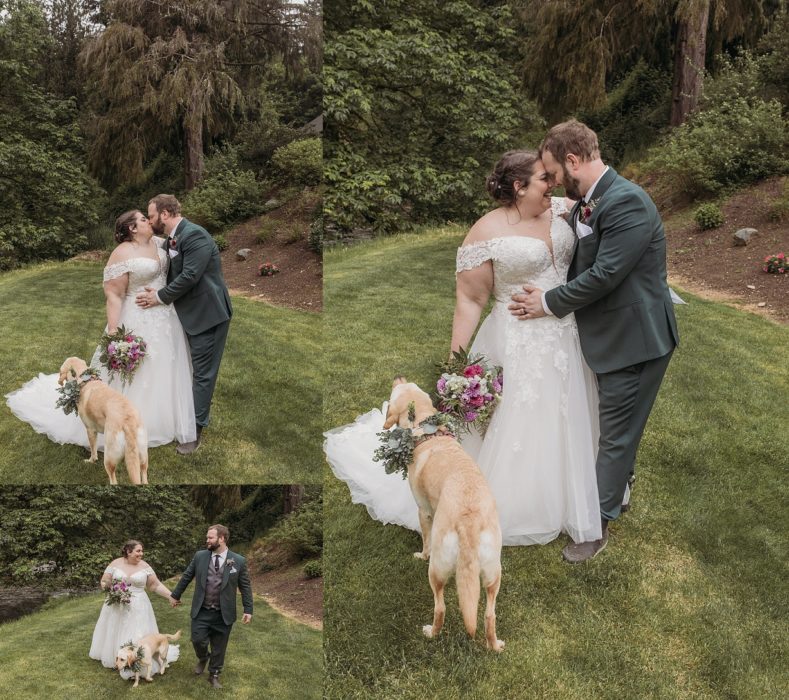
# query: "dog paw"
{"type": "Point", "coordinates": [498, 646]}
{"type": "Point", "coordinates": [427, 630]}
{"type": "Point", "coordinates": [92, 460]}
{"type": "Point", "coordinates": [422, 555]}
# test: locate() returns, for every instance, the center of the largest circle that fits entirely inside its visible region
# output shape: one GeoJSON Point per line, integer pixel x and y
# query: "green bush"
{"type": "Point", "coordinates": [294, 231]}
{"type": "Point", "coordinates": [315, 239]}
{"type": "Point", "coordinates": [221, 241]}
{"type": "Point", "coordinates": [708, 216]}
{"type": "Point", "coordinates": [779, 208]}
{"type": "Point", "coordinates": [300, 534]}
{"type": "Point", "coordinates": [736, 137]}
{"type": "Point", "coordinates": [268, 227]}
{"type": "Point", "coordinates": [313, 568]}
{"type": "Point", "coordinates": [299, 162]}
{"type": "Point", "coordinates": [226, 194]}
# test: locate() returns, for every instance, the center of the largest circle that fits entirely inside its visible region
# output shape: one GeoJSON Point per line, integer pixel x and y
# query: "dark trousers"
{"type": "Point", "coordinates": [210, 635]}
{"type": "Point", "coordinates": [206, 349]}
{"type": "Point", "coordinates": [626, 398]}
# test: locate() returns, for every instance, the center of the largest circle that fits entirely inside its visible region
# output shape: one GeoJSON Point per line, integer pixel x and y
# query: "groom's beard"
{"type": "Point", "coordinates": [572, 186]}
{"type": "Point", "coordinates": [158, 228]}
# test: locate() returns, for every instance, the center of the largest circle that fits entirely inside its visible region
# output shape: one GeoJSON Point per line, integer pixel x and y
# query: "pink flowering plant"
{"type": "Point", "coordinates": [267, 269]}
{"type": "Point", "coordinates": [118, 593]}
{"type": "Point", "coordinates": [122, 352]}
{"type": "Point", "coordinates": [468, 390]}
{"type": "Point", "coordinates": [775, 263]}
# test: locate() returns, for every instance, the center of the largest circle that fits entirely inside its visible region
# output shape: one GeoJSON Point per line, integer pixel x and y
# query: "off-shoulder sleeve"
{"type": "Point", "coordinates": [559, 205]}
{"type": "Point", "coordinates": [114, 271]}
{"type": "Point", "coordinates": [473, 255]}
{"type": "Point", "coordinates": [109, 570]}
{"type": "Point", "coordinates": [148, 571]}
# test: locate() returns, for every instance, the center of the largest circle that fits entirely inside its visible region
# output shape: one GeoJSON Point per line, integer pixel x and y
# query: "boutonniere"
{"type": "Point", "coordinates": [587, 209]}
{"type": "Point", "coordinates": [172, 241]}
{"type": "Point", "coordinates": [232, 564]}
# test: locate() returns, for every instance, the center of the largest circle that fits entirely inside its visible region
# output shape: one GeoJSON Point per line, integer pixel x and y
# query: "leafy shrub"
{"type": "Point", "coordinates": [779, 208]}
{"type": "Point", "coordinates": [226, 194]}
{"type": "Point", "coordinates": [268, 227]}
{"type": "Point", "coordinates": [294, 231]}
{"type": "Point", "coordinates": [634, 113]}
{"type": "Point", "coordinates": [708, 216]}
{"type": "Point", "coordinates": [776, 264]}
{"type": "Point", "coordinates": [221, 241]}
{"type": "Point", "coordinates": [300, 534]}
{"type": "Point", "coordinates": [300, 162]}
{"type": "Point", "coordinates": [313, 568]}
{"type": "Point", "coordinates": [315, 239]}
{"type": "Point", "coordinates": [736, 137]}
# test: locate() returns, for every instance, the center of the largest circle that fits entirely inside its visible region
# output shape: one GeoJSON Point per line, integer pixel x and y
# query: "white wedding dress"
{"type": "Point", "coordinates": [161, 388]}
{"type": "Point", "coordinates": [119, 624]}
{"type": "Point", "coordinates": [538, 454]}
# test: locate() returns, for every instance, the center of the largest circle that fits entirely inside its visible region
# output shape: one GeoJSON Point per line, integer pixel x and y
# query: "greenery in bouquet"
{"type": "Point", "coordinates": [468, 389]}
{"type": "Point", "coordinates": [775, 264]}
{"type": "Point", "coordinates": [118, 593]}
{"type": "Point", "coordinates": [122, 352]}
{"type": "Point", "coordinates": [69, 391]}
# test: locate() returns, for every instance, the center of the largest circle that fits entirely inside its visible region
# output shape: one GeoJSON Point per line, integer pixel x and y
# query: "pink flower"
{"type": "Point", "coordinates": [441, 385]}
{"type": "Point", "coordinates": [473, 371]}
{"type": "Point", "coordinates": [780, 256]}
{"type": "Point", "coordinates": [477, 401]}
{"type": "Point", "coordinates": [470, 416]}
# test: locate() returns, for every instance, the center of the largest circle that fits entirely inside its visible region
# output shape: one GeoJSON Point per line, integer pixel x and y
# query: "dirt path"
{"type": "Point", "coordinates": [291, 594]}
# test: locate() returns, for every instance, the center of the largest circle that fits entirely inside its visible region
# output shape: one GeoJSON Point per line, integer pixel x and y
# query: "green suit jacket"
{"type": "Point", "coordinates": [195, 284]}
{"type": "Point", "coordinates": [234, 577]}
{"type": "Point", "coordinates": [617, 280]}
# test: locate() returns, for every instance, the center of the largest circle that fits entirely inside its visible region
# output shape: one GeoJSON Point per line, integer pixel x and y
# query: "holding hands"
{"type": "Point", "coordinates": [527, 305]}
{"type": "Point", "coordinates": [174, 602]}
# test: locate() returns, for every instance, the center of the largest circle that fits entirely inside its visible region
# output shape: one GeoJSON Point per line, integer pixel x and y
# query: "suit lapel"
{"type": "Point", "coordinates": [602, 187]}
{"type": "Point", "coordinates": [574, 216]}
{"type": "Point", "coordinates": [226, 570]}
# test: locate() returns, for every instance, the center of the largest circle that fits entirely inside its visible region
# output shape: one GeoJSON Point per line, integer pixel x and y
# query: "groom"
{"type": "Point", "coordinates": [617, 288]}
{"type": "Point", "coordinates": [218, 572]}
{"type": "Point", "coordinates": [196, 287]}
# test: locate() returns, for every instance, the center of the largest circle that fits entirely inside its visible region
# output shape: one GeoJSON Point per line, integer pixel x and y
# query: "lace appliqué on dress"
{"type": "Point", "coordinates": [115, 270]}
{"type": "Point", "coordinates": [473, 255]}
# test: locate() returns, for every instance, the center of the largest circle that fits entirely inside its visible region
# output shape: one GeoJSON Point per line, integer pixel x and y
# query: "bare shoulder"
{"type": "Point", "coordinates": [121, 253]}
{"type": "Point", "coordinates": [486, 227]}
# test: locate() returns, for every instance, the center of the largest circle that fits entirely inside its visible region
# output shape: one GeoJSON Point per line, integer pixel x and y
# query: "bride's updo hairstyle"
{"type": "Point", "coordinates": [512, 166]}
{"type": "Point", "coordinates": [128, 548]}
{"type": "Point", "coordinates": [123, 225]}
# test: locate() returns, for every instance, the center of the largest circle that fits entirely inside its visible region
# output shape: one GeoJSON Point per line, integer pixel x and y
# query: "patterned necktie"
{"type": "Point", "coordinates": [216, 563]}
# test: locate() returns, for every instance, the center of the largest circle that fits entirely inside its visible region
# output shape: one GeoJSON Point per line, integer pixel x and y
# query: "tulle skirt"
{"type": "Point", "coordinates": [161, 388]}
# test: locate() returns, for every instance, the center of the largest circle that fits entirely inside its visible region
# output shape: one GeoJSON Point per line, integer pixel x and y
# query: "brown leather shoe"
{"type": "Point", "coordinates": [214, 681]}
{"type": "Point", "coordinates": [186, 448]}
{"type": "Point", "coordinates": [200, 667]}
{"type": "Point", "coordinates": [583, 551]}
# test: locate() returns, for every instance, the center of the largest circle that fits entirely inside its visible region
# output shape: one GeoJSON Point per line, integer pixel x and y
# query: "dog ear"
{"type": "Point", "coordinates": [399, 379]}
{"type": "Point", "coordinates": [392, 415]}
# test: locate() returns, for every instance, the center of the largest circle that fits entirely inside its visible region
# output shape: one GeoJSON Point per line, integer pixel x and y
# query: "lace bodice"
{"type": "Point", "coordinates": [143, 272]}
{"type": "Point", "coordinates": [137, 580]}
{"type": "Point", "coordinates": [519, 260]}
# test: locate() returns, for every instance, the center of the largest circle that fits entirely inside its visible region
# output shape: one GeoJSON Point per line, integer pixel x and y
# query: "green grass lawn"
{"type": "Point", "coordinates": [689, 600]}
{"type": "Point", "coordinates": [265, 419]}
{"type": "Point", "coordinates": [45, 654]}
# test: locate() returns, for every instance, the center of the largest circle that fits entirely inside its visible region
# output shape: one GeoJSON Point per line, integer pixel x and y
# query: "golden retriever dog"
{"type": "Point", "coordinates": [457, 514]}
{"type": "Point", "coordinates": [153, 646]}
{"type": "Point", "coordinates": [104, 410]}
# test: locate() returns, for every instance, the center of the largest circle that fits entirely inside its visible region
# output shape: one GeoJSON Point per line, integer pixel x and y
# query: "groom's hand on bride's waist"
{"type": "Point", "coordinates": [148, 298]}
{"type": "Point", "coordinates": [528, 304]}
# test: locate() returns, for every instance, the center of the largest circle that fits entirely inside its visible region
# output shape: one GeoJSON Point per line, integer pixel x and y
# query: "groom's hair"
{"type": "Point", "coordinates": [571, 137]}
{"type": "Point", "coordinates": [221, 531]}
{"type": "Point", "coordinates": [168, 203]}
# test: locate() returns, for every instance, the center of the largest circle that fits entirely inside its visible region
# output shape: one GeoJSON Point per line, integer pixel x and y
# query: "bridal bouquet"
{"type": "Point", "coordinates": [469, 389]}
{"type": "Point", "coordinates": [121, 353]}
{"type": "Point", "coordinates": [118, 593]}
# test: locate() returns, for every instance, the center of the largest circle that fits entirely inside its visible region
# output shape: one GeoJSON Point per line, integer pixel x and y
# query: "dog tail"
{"type": "Point", "coordinates": [132, 453]}
{"type": "Point", "coordinates": [467, 577]}
{"type": "Point", "coordinates": [173, 637]}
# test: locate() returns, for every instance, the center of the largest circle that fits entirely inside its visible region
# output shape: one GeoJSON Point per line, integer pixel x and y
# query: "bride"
{"type": "Point", "coordinates": [161, 388]}
{"type": "Point", "coordinates": [538, 453]}
{"type": "Point", "coordinates": [121, 623]}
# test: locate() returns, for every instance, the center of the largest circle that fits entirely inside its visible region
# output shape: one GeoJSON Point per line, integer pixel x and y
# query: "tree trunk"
{"type": "Point", "coordinates": [689, 55]}
{"type": "Point", "coordinates": [193, 147]}
{"type": "Point", "coordinates": [294, 494]}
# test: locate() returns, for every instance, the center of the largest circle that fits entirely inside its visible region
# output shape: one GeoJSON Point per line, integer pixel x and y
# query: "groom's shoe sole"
{"type": "Point", "coordinates": [214, 682]}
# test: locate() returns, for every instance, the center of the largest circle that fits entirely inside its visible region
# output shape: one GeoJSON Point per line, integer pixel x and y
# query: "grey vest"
{"type": "Point", "coordinates": [213, 584]}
